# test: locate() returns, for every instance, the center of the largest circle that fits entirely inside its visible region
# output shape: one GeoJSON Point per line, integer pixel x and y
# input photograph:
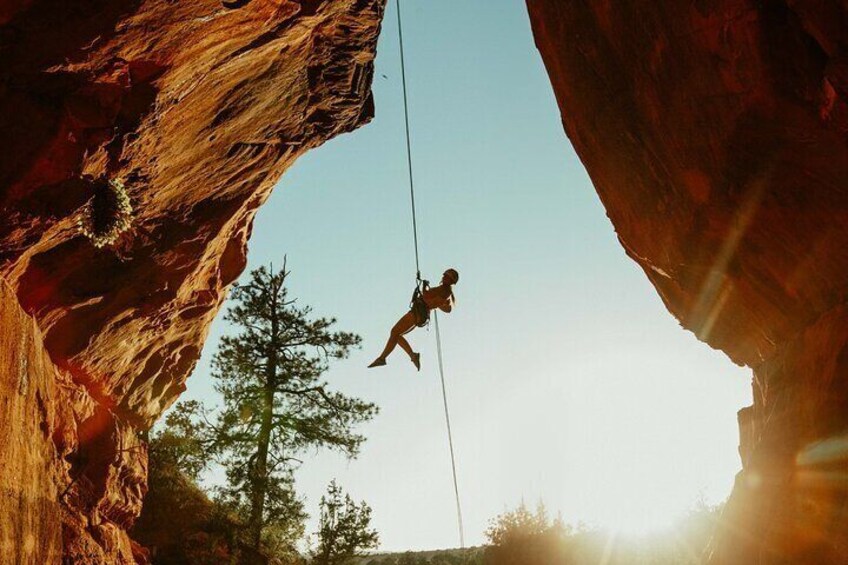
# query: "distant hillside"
{"type": "Point", "coordinates": [469, 556]}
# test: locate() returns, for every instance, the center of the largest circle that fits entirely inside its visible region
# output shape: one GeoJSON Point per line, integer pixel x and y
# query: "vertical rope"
{"type": "Point", "coordinates": [418, 272]}
{"type": "Point", "coordinates": [450, 434]}
{"type": "Point", "coordinates": [408, 141]}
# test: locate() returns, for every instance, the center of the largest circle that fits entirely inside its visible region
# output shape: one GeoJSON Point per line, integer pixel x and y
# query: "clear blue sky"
{"type": "Point", "coordinates": [568, 380]}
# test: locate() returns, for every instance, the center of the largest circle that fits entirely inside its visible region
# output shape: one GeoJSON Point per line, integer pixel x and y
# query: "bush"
{"type": "Point", "coordinates": [108, 214]}
{"type": "Point", "coordinates": [522, 537]}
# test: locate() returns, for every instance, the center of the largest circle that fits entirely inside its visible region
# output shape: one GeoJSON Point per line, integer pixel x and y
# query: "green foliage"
{"type": "Point", "coordinates": [275, 404]}
{"type": "Point", "coordinates": [408, 558]}
{"type": "Point", "coordinates": [108, 214]}
{"type": "Point", "coordinates": [275, 407]}
{"type": "Point", "coordinates": [344, 530]}
{"type": "Point", "coordinates": [281, 351]}
{"type": "Point", "coordinates": [181, 443]}
{"type": "Point", "coordinates": [283, 517]}
{"type": "Point", "coordinates": [522, 537]}
{"type": "Point", "coordinates": [181, 526]}
{"type": "Point", "coordinates": [468, 556]}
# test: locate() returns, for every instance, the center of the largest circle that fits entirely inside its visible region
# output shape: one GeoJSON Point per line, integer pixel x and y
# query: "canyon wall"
{"type": "Point", "coordinates": [716, 135]}
{"type": "Point", "coordinates": [197, 108]}
{"type": "Point", "coordinates": [72, 475]}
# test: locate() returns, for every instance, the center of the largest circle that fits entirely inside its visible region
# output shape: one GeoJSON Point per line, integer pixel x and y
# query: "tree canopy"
{"type": "Point", "coordinates": [276, 406]}
{"type": "Point", "coordinates": [344, 528]}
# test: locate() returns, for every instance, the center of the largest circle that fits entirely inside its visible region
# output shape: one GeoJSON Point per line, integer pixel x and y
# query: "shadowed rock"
{"type": "Point", "coordinates": [716, 135]}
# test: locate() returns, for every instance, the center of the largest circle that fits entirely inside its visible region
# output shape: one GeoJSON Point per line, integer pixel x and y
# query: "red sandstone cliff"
{"type": "Point", "coordinates": [198, 107]}
{"type": "Point", "coordinates": [716, 134]}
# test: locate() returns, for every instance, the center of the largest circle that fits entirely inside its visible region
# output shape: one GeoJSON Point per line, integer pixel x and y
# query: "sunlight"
{"type": "Point", "coordinates": [823, 452]}
{"type": "Point", "coordinates": [636, 467]}
{"type": "Point", "coordinates": [638, 516]}
{"type": "Point", "coordinates": [634, 525]}
{"type": "Point", "coordinates": [716, 288]}
{"type": "Point", "coordinates": [819, 463]}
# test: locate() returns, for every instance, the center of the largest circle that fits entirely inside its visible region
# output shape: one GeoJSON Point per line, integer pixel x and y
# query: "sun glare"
{"type": "Point", "coordinates": [634, 524]}
{"type": "Point", "coordinates": [637, 454]}
{"type": "Point", "coordinates": [638, 506]}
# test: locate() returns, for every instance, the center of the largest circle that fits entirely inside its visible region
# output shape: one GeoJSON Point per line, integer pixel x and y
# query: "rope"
{"type": "Point", "coordinates": [408, 141]}
{"type": "Point", "coordinates": [418, 273]}
{"type": "Point", "coordinates": [450, 435]}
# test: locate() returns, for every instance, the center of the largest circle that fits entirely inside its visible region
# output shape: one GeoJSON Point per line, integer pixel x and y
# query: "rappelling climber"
{"type": "Point", "coordinates": [423, 300]}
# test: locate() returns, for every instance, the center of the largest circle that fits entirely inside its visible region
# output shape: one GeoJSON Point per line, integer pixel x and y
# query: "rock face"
{"type": "Point", "coordinates": [716, 134]}
{"type": "Point", "coordinates": [198, 108]}
{"type": "Point", "coordinates": [73, 475]}
{"type": "Point", "coordinates": [30, 461]}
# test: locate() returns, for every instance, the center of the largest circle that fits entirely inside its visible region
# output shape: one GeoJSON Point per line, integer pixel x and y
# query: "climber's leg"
{"type": "Point", "coordinates": [404, 325]}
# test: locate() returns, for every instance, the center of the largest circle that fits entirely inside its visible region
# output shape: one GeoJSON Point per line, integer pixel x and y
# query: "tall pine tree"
{"type": "Point", "coordinates": [276, 404]}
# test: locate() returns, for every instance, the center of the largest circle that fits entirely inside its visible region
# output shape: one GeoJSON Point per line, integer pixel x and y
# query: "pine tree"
{"type": "Point", "coordinates": [343, 528]}
{"type": "Point", "coordinates": [275, 403]}
{"type": "Point", "coordinates": [178, 445]}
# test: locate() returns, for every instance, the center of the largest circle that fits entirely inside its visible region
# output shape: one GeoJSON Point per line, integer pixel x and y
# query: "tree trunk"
{"type": "Point", "coordinates": [260, 470]}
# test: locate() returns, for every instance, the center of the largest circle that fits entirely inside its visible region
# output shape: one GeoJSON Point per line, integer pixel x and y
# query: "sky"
{"type": "Point", "coordinates": [567, 379]}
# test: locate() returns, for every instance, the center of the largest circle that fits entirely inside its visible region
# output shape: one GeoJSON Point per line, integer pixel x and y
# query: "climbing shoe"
{"type": "Point", "coordinates": [416, 360]}
{"type": "Point", "coordinates": [378, 362]}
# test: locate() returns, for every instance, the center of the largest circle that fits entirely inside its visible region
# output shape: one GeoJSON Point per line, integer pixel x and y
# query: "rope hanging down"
{"type": "Point", "coordinates": [418, 274]}
{"type": "Point", "coordinates": [450, 435]}
{"type": "Point", "coordinates": [408, 142]}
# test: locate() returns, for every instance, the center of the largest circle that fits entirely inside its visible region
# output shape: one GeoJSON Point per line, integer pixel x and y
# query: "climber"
{"type": "Point", "coordinates": [424, 300]}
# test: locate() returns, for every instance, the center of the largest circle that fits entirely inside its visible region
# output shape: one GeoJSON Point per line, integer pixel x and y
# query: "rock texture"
{"type": "Point", "coordinates": [716, 134]}
{"type": "Point", "coordinates": [72, 477]}
{"type": "Point", "coordinates": [198, 107]}
{"type": "Point", "coordinates": [30, 460]}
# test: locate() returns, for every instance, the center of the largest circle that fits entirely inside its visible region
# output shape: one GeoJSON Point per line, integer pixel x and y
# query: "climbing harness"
{"type": "Point", "coordinates": [423, 315]}
{"type": "Point", "coordinates": [417, 305]}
